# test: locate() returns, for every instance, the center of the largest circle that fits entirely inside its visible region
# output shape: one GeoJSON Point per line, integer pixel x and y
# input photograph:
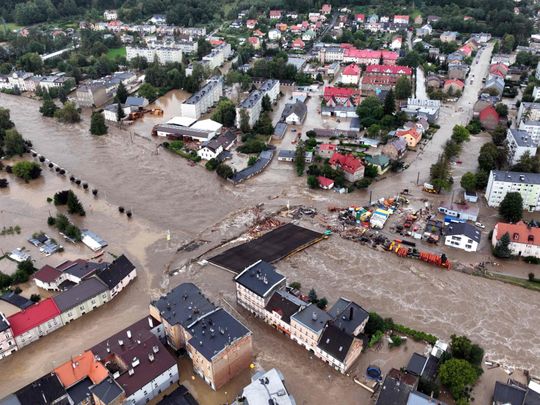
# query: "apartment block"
{"type": "Point", "coordinates": [519, 143]}
{"type": "Point", "coordinates": [200, 102]}
{"type": "Point", "coordinates": [532, 128]}
{"type": "Point", "coordinates": [527, 184]}
{"type": "Point", "coordinates": [252, 106]}
{"type": "Point", "coordinates": [163, 54]}
{"type": "Point", "coordinates": [7, 341]}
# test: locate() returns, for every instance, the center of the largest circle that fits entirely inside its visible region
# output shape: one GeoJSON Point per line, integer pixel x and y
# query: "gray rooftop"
{"type": "Point", "coordinates": [508, 394]}
{"type": "Point", "coordinates": [261, 278]}
{"type": "Point", "coordinates": [286, 154]}
{"type": "Point", "coordinates": [312, 318]}
{"type": "Point", "coordinates": [80, 293]}
{"type": "Point", "coordinates": [107, 390]}
{"type": "Point", "coordinates": [522, 138]}
{"type": "Point", "coordinates": [183, 305]}
{"type": "Point", "coordinates": [416, 364]}
{"type": "Point", "coordinates": [4, 324]}
{"type": "Point", "coordinates": [463, 228]}
{"type": "Point", "coordinates": [268, 85]}
{"type": "Point", "coordinates": [204, 91]}
{"type": "Point", "coordinates": [251, 99]}
{"type": "Point", "coordinates": [348, 315]}
{"type": "Point", "coordinates": [214, 332]}
{"type": "Point", "coordinates": [516, 177]}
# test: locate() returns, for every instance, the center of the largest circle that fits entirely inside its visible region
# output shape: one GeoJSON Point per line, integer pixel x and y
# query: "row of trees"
{"type": "Point", "coordinates": [11, 141]}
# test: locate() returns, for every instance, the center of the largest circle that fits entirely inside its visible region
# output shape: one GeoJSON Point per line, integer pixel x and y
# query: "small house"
{"type": "Point", "coordinates": [462, 235]}
{"type": "Point", "coordinates": [325, 183]}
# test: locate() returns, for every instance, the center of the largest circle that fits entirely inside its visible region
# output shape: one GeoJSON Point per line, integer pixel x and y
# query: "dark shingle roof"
{"type": "Point", "coordinates": [335, 342]}
{"type": "Point", "coordinates": [116, 271]}
{"type": "Point", "coordinates": [532, 398]}
{"type": "Point", "coordinates": [4, 324]}
{"type": "Point", "coordinates": [348, 315]}
{"type": "Point", "coordinates": [82, 268]}
{"type": "Point", "coordinates": [214, 332]}
{"type": "Point", "coordinates": [508, 394]}
{"type": "Point", "coordinates": [79, 293]}
{"type": "Point", "coordinates": [284, 304]}
{"type": "Point", "coordinates": [183, 305]}
{"type": "Point", "coordinates": [43, 391]}
{"type": "Point", "coordinates": [463, 228]}
{"type": "Point", "coordinates": [80, 391]}
{"type": "Point", "coordinates": [416, 364]}
{"type": "Point", "coordinates": [394, 390]}
{"type": "Point", "coordinates": [107, 390]}
{"type": "Point", "coordinates": [179, 396]}
{"type": "Point", "coordinates": [260, 278]}
{"type": "Point", "coordinates": [312, 317]}
{"type": "Point", "coordinates": [17, 300]}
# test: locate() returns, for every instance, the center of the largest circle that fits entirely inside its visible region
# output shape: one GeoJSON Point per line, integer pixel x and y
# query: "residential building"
{"type": "Point", "coordinates": [515, 393]}
{"type": "Point", "coordinates": [325, 183]}
{"type": "Point", "coordinates": [91, 95]}
{"type": "Point", "coordinates": [92, 240]}
{"type": "Point", "coordinates": [396, 388]}
{"type": "Point", "coordinates": [307, 326]}
{"type": "Point", "coordinates": [326, 150]}
{"type": "Point", "coordinates": [527, 184]}
{"type": "Point", "coordinates": [34, 322]}
{"type": "Point", "coordinates": [395, 149]}
{"type": "Point", "coordinates": [270, 88]}
{"type": "Point", "coordinates": [434, 81]}
{"type": "Point", "coordinates": [219, 346]}
{"type": "Point", "coordinates": [462, 236]}
{"type": "Point", "coordinates": [411, 135]}
{"type": "Point", "coordinates": [528, 112]}
{"type": "Point", "coordinates": [267, 387]}
{"type": "Point", "coordinates": [338, 348]}
{"type": "Point", "coordinates": [351, 74]}
{"type": "Point", "coordinates": [378, 78]}
{"type": "Point", "coordinates": [7, 341]}
{"type": "Point", "coordinates": [496, 83]}
{"type": "Point", "coordinates": [81, 299]}
{"type": "Point", "coordinates": [458, 71]}
{"type": "Point", "coordinates": [213, 148]}
{"type": "Point", "coordinates": [274, 35]}
{"type": "Point", "coordinates": [331, 54]}
{"type": "Point", "coordinates": [275, 14]}
{"type": "Point", "coordinates": [519, 143]}
{"type": "Point", "coordinates": [110, 15]}
{"type": "Point", "coordinates": [459, 211]}
{"type": "Point", "coordinates": [252, 106]}
{"type": "Point", "coordinates": [340, 101]}
{"type": "Point", "coordinates": [424, 30]}
{"type": "Point", "coordinates": [217, 56]}
{"type": "Point", "coordinates": [256, 284]}
{"type": "Point", "coordinates": [401, 19]}
{"type": "Point", "coordinates": [163, 54]}
{"type": "Point", "coordinates": [449, 36]}
{"type": "Point", "coordinates": [118, 275]}
{"type": "Point", "coordinates": [453, 86]}
{"type": "Point", "coordinates": [418, 108]}
{"type": "Point", "coordinates": [507, 59]}
{"type": "Point", "coordinates": [532, 128]}
{"type": "Point", "coordinates": [524, 239]}
{"type": "Point", "coordinates": [46, 390]}
{"type": "Point", "coordinates": [294, 113]}
{"type": "Point", "coordinates": [351, 166]}
{"type": "Point", "coordinates": [381, 162]}
{"type": "Point", "coordinates": [204, 99]}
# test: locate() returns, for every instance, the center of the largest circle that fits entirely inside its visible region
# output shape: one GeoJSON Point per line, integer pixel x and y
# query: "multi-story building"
{"type": "Point", "coordinates": [532, 128]}
{"type": "Point", "coordinates": [519, 143]}
{"type": "Point", "coordinates": [524, 239]}
{"type": "Point", "coordinates": [7, 341]}
{"type": "Point", "coordinates": [217, 56]}
{"type": "Point", "coordinates": [118, 275]}
{"type": "Point", "coordinates": [270, 88]}
{"type": "Point", "coordinates": [110, 15]}
{"type": "Point", "coordinates": [331, 54]}
{"type": "Point", "coordinates": [219, 345]}
{"type": "Point", "coordinates": [200, 102]}
{"type": "Point", "coordinates": [91, 95]}
{"type": "Point", "coordinates": [279, 309]}
{"type": "Point", "coordinates": [266, 388]}
{"type": "Point", "coordinates": [21, 80]}
{"type": "Point", "coordinates": [307, 326]}
{"type": "Point", "coordinates": [527, 184]}
{"type": "Point", "coordinates": [161, 53]}
{"type": "Point", "coordinates": [252, 106]}
{"type": "Point", "coordinates": [81, 299]}
{"type": "Point", "coordinates": [34, 322]}
{"type": "Point", "coordinates": [256, 284]}
{"type": "Point", "coordinates": [528, 112]}
{"type": "Point", "coordinates": [382, 77]}
{"type": "Point", "coordinates": [66, 274]}
{"type": "Point", "coordinates": [462, 235]}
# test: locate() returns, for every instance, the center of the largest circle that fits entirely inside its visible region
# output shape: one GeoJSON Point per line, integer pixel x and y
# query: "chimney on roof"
{"type": "Point", "coordinates": [128, 333]}
{"type": "Point", "coordinates": [120, 342]}
{"type": "Point", "coordinates": [314, 316]}
{"type": "Point", "coordinates": [151, 357]}
{"type": "Point", "coordinates": [131, 371]}
{"type": "Point", "coordinates": [350, 313]}
{"type": "Point", "coordinates": [150, 322]}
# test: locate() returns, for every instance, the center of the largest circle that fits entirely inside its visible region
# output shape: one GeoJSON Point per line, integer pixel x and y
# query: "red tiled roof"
{"type": "Point", "coordinates": [487, 112]}
{"type": "Point", "coordinates": [325, 182]}
{"type": "Point", "coordinates": [253, 40]}
{"type": "Point", "coordinates": [360, 17]}
{"type": "Point", "coordinates": [348, 163]}
{"type": "Point", "coordinates": [327, 146]}
{"type": "Point", "coordinates": [33, 316]}
{"type": "Point", "coordinates": [401, 17]}
{"type": "Point", "coordinates": [298, 43]}
{"type": "Point", "coordinates": [386, 55]}
{"type": "Point", "coordinates": [275, 13]}
{"type": "Point", "coordinates": [389, 69]}
{"type": "Point", "coordinates": [346, 46]}
{"type": "Point", "coordinates": [519, 233]}
{"type": "Point", "coordinates": [330, 91]}
{"type": "Point", "coordinates": [362, 53]}
{"type": "Point", "coordinates": [47, 274]}
{"type": "Point", "coordinates": [352, 70]}
{"type": "Point", "coordinates": [411, 131]}
{"type": "Point", "coordinates": [458, 83]}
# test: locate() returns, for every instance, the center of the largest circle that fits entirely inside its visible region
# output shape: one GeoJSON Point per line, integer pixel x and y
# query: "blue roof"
{"type": "Point", "coordinates": [136, 101]}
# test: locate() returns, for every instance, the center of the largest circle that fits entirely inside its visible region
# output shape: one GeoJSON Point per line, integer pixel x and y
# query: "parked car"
{"type": "Point", "coordinates": [480, 225]}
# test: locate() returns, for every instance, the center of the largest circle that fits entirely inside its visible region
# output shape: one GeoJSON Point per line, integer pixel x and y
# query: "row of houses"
{"type": "Point", "coordinates": [216, 58]}
{"type": "Point", "coordinates": [347, 53]}
{"type": "Point", "coordinates": [252, 104]}
{"type": "Point", "coordinates": [84, 287]}
{"type": "Point", "coordinates": [97, 93]}
{"type": "Point", "coordinates": [26, 81]}
{"type": "Point", "coordinates": [334, 336]}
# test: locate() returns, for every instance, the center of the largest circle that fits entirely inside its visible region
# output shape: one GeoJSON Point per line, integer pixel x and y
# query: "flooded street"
{"type": "Point", "coordinates": [165, 193]}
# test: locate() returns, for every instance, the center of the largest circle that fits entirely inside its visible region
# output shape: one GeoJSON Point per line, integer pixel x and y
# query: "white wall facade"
{"type": "Point", "coordinates": [85, 307]}
{"type": "Point", "coordinates": [123, 284]}
{"type": "Point", "coordinates": [154, 387]}
{"type": "Point", "coordinates": [462, 242]}
{"type": "Point", "coordinates": [496, 191]}
{"type": "Point", "coordinates": [41, 330]}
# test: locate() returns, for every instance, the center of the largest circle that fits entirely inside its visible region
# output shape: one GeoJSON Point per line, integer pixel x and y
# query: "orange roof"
{"type": "Point", "coordinates": [519, 233]}
{"type": "Point", "coordinates": [412, 132]}
{"type": "Point", "coordinates": [79, 368]}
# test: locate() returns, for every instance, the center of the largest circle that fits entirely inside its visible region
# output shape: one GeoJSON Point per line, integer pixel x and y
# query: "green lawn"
{"type": "Point", "coordinates": [12, 26]}
{"type": "Point", "coordinates": [113, 53]}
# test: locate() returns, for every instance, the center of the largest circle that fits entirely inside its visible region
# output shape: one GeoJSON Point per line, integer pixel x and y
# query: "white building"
{"type": "Point", "coordinates": [532, 128]}
{"type": "Point", "coordinates": [110, 113]}
{"type": "Point", "coordinates": [110, 15]}
{"type": "Point", "coordinates": [80, 299]}
{"type": "Point", "coordinates": [217, 56]}
{"type": "Point", "coordinates": [524, 240]}
{"type": "Point", "coordinates": [118, 275]}
{"type": "Point", "coordinates": [163, 54]}
{"type": "Point", "coordinates": [519, 142]}
{"type": "Point", "coordinates": [256, 284]}
{"type": "Point", "coordinates": [330, 54]}
{"type": "Point", "coordinates": [528, 112]}
{"type": "Point", "coordinates": [213, 148]}
{"type": "Point", "coordinates": [252, 105]}
{"type": "Point", "coordinates": [527, 184]}
{"type": "Point", "coordinates": [462, 236]}
{"type": "Point", "coordinates": [92, 240]}
{"type": "Point", "coordinates": [270, 88]}
{"type": "Point", "coordinates": [7, 341]}
{"type": "Point", "coordinates": [267, 388]}
{"type": "Point", "coordinates": [200, 102]}
{"type": "Point", "coordinates": [274, 35]}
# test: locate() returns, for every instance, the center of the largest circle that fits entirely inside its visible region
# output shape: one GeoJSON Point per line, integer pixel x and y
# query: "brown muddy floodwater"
{"type": "Point", "coordinates": [165, 193]}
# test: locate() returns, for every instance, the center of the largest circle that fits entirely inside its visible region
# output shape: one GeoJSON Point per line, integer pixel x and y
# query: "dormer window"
{"type": "Point", "coordinates": [515, 236]}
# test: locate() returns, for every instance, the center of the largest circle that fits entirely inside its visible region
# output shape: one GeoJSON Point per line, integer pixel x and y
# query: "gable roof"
{"type": "Point", "coordinates": [348, 163]}
{"type": "Point", "coordinates": [260, 278]}
{"type": "Point", "coordinates": [396, 388]}
{"type": "Point", "coordinates": [80, 367]}
{"type": "Point", "coordinates": [107, 391]}
{"type": "Point", "coordinates": [312, 317]}
{"type": "Point", "coordinates": [455, 82]}
{"type": "Point", "coordinates": [416, 364]}
{"type": "Point", "coordinates": [488, 112]}
{"type": "Point", "coordinates": [335, 342]}
{"type": "Point", "coordinates": [79, 293]}
{"type": "Point", "coordinates": [463, 228]}
{"type": "Point", "coordinates": [508, 394]}
{"type": "Point", "coordinates": [16, 300]}
{"type": "Point", "coordinates": [410, 131]}
{"type": "Point", "coordinates": [47, 274]}
{"type": "Point", "coordinates": [298, 108]}
{"type": "Point", "coordinates": [325, 181]}
{"type": "Point", "coordinates": [119, 269]}
{"type": "Point", "coordinates": [389, 69]}
{"type": "Point", "coordinates": [285, 304]}
{"type": "Point", "coordinates": [33, 316]}
{"type": "Point", "coordinates": [348, 315]}
{"type": "Point", "coordinates": [351, 70]}
{"type": "Point", "coordinates": [519, 233]}
{"type": "Point", "coordinates": [43, 391]}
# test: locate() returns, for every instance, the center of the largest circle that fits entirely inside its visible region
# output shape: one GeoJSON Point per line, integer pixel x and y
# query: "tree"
{"type": "Point", "coordinates": [502, 109]}
{"type": "Point", "coordinates": [26, 170]}
{"type": "Point", "coordinates": [487, 158]}
{"type": "Point", "coordinates": [468, 182]}
{"type": "Point", "coordinates": [312, 181]}
{"type": "Point", "coordinates": [300, 158]}
{"type": "Point", "coordinates": [121, 93]}
{"type": "Point", "coordinates": [13, 143]}
{"type": "Point", "coordinates": [74, 205]}
{"type": "Point", "coordinates": [225, 112]}
{"type": "Point", "coordinates": [375, 323]}
{"type": "Point", "coordinates": [440, 174]}
{"type": "Point", "coordinates": [511, 208]}
{"type": "Point", "coordinates": [371, 171]}
{"type": "Point", "coordinates": [322, 303]}
{"type": "Point", "coordinates": [120, 114]}
{"type": "Point", "coordinates": [148, 91]}
{"type": "Point", "coordinates": [457, 375]}
{"type": "Point", "coordinates": [460, 134]}
{"type": "Point", "coordinates": [461, 347]}
{"type": "Point", "coordinates": [499, 135]}
{"type": "Point", "coordinates": [390, 103]}
{"type": "Point", "coordinates": [312, 296]}
{"type": "Point", "coordinates": [527, 164]}
{"type": "Point", "coordinates": [225, 171]}
{"type": "Point", "coordinates": [244, 121]}
{"type": "Point", "coordinates": [403, 89]}
{"type": "Point", "coordinates": [31, 62]}
{"type": "Point", "coordinates": [264, 125]}
{"type": "Point", "coordinates": [252, 160]}
{"type": "Point", "coordinates": [370, 111]}
{"type": "Point", "coordinates": [97, 124]}
{"type": "Point", "coordinates": [266, 103]}
{"type": "Point", "coordinates": [68, 114]}
{"type": "Point", "coordinates": [508, 42]}
{"type": "Point", "coordinates": [48, 108]}
{"type": "Point", "coordinates": [295, 285]}
{"type": "Point", "coordinates": [374, 131]}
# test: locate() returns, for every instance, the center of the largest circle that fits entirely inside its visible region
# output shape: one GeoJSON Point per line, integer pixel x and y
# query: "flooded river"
{"type": "Point", "coordinates": [165, 193]}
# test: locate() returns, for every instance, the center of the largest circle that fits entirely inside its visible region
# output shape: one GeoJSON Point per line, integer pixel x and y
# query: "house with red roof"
{"type": "Point", "coordinates": [298, 44]}
{"type": "Point", "coordinates": [251, 24]}
{"type": "Point", "coordinates": [258, 33]}
{"type": "Point", "coordinates": [361, 56]}
{"type": "Point", "coordinates": [340, 101]}
{"type": "Point", "coordinates": [352, 167]}
{"type": "Point", "coordinates": [351, 74]}
{"type": "Point", "coordinates": [452, 86]}
{"type": "Point", "coordinates": [326, 150]}
{"type": "Point", "coordinates": [254, 42]}
{"type": "Point", "coordinates": [275, 14]}
{"type": "Point", "coordinates": [524, 239]}
{"type": "Point", "coordinates": [34, 322]}
{"type": "Point", "coordinates": [360, 18]}
{"type": "Point", "coordinates": [489, 118]}
{"type": "Point", "coordinates": [296, 29]}
{"type": "Point", "coordinates": [379, 78]}
{"type": "Point", "coordinates": [396, 42]}
{"type": "Point", "coordinates": [401, 19]}
{"type": "Point", "coordinates": [326, 9]}
{"type": "Point", "coordinates": [411, 135]}
{"type": "Point", "coordinates": [466, 50]}
{"type": "Point", "coordinates": [389, 57]}
{"type": "Point", "coordinates": [325, 183]}
{"type": "Point", "coordinates": [499, 69]}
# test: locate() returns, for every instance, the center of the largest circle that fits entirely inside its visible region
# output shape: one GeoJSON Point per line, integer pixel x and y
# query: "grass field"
{"type": "Point", "coordinates": [113, 53]}
{"type": "Point", "coordinates": [12, 26]}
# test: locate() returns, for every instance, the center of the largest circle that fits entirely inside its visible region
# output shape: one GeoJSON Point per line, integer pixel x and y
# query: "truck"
{"type": "Point", "coordinates": [430, 188]}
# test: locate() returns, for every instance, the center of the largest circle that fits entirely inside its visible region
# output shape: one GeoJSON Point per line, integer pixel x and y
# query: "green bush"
{"type": "Point", "coordinates": [212, 164]}
{"type": "Point", "coordinates": [377, 336]}
{"type": "Point", "coordinates": [26, 170]}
